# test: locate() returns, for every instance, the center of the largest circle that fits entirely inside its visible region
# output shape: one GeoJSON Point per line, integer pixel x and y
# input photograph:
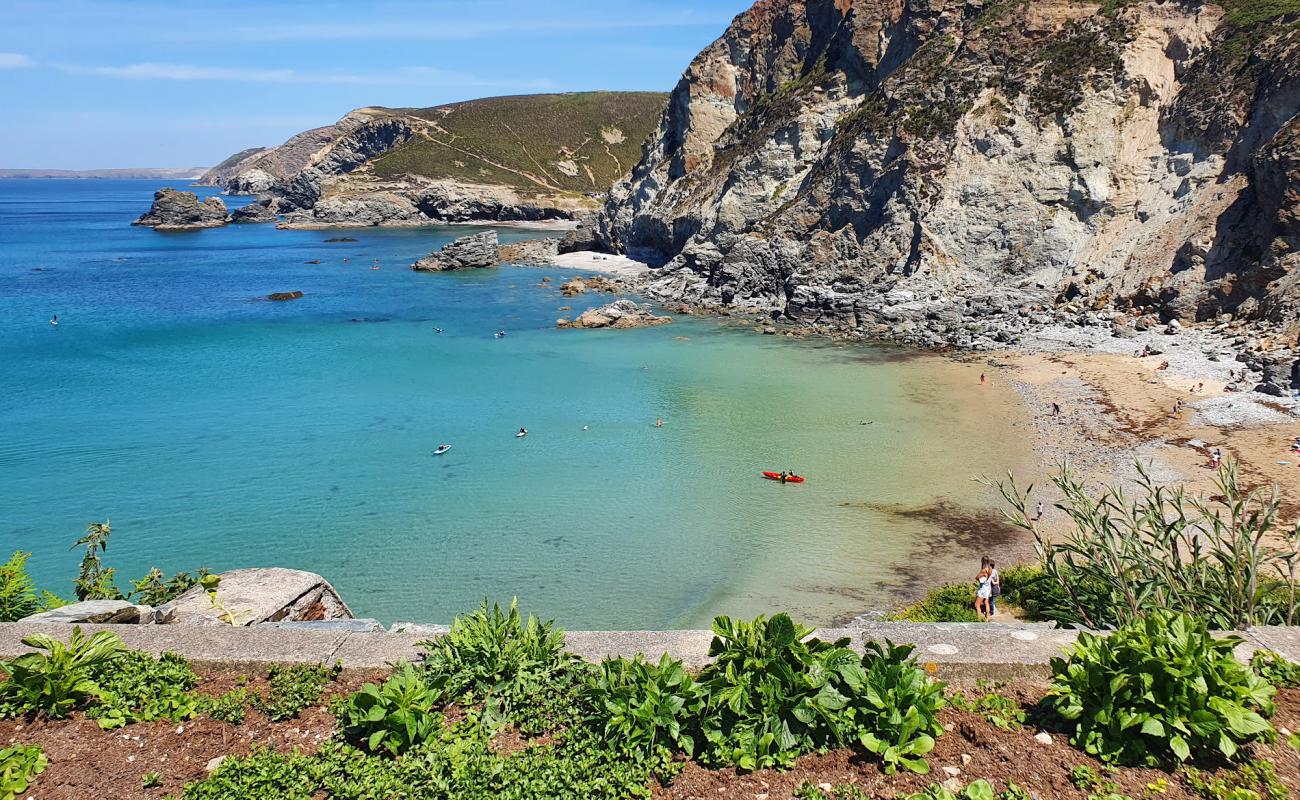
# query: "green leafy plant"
{"type": "Point", "coordinates": [18, 597]}
{"type": "Point", "coordinates": [393, 717]}
{"type": "Point", "coordinates": [151, 780]}
{"type": "Point", "coordinates": [893, 706]}
{"type": "Point", "coordinates": [1254, 780]}
{"type": "Point", "coordinates": [1275, 669]}
{"type": "Point", "coordinates": [94, 580]}
{"type": "Point", "coordinates": [1166, 550]}
{"type": "Point", "coordinates": [57, 681]}
{"type": "Point", "coordinates": [770, 694]}
{"type": "Point", "coordinates": [1091, 781]}
{"type": "Point", "coordinates": [1156, 689]}
{"type": "Point", "coordinates": [997, 709]}
{"type": "Point", "coordinates": [514, 666]}
{"type": "Point", "coordinates": [211, 583]}
{"type": "Point", "coordinates": [978, 790]}
{"type": "Point", "coordinates": [840, 791]}
{"type": "Point", "coordinates": [294, 688]}
{"type": "Point", "coordinates": [229, 707]}
{"type": "Point", "coordinates": [646, 707]}
{"type": "Point", "coordinates": [953, 602]}
{"type": "Point", "coordinates": [19, 766]}
{"type": "Point", "coordinates": [155, 588]}
{"type": "Point", "coordinates": [136, 687]}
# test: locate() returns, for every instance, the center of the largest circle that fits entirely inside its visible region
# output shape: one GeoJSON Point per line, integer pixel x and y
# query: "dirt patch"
{"type": "Point", "coordinates": [87, 762]}
{"type": "Point", "coordinates": [979, 750]}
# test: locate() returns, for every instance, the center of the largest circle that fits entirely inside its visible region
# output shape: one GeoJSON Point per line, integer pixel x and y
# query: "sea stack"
{"type": "Point", "coordinates": [174, 210]}
{"type": "Point", "coordinates": [467, 252]}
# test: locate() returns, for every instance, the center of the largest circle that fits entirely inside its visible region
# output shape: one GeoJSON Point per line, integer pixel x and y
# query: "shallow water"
{"type": "Point", "coordinates": [219, 430]}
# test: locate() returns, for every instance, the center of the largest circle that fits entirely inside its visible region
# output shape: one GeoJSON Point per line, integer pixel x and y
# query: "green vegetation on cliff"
{"type": "Point", "coordinates": [576, 142]}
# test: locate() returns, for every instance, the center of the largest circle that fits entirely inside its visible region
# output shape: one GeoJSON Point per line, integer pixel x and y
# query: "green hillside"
{"type": "Point", "coordinates": [577, 142]}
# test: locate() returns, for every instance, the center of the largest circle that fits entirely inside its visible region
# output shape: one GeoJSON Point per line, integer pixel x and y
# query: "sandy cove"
{"type": "Point", "coordinates": [1117, 407]}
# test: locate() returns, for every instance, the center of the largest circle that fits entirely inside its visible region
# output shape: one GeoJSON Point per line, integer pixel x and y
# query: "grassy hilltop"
{"type": "Point", "coordinates": [575, 142]}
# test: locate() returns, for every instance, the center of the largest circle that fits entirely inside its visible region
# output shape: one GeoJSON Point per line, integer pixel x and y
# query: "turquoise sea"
{"type": "Point", "coordinates": [216, 429]}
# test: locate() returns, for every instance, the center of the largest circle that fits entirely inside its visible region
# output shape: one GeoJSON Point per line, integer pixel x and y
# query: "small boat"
{"type": "Point", "coordinates": [521, 434]}
{"type": "Point", "coordinates": [442, 448]}
{"type": "Point", "coordinates": [776, 476]}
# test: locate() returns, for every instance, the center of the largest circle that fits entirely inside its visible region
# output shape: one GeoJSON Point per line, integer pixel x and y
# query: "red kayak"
{"type": "Point", "coordinates": [776, 476]}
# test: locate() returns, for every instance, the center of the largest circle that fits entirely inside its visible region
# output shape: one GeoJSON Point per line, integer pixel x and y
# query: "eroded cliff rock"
{"type": "Point", "coordinates": [468, 252]}
{"type": "Point", "coordinates": [174, 210]}
{"type": "Point", "coordinates": [949, 171]}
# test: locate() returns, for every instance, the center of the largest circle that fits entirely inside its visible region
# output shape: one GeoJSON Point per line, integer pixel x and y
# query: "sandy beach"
{"type": "Point", "coordinates": [1118, 408]}
{"type": "Point", "coordinates": [619, 266]}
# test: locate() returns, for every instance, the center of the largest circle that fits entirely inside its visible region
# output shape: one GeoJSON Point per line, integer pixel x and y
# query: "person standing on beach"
{"type": "Point", "coordinates": [1038, 511]}
{"type": "Point", "coordinates": [984, 590]}
{"type": "Point", "coordinates": [983, 379]}
{"type": "Point", "coordinates": [995, 581]}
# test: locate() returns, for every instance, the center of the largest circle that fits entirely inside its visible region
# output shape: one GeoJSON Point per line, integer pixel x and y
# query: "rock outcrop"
{"type": "Point", "coordinates": [955, 171]}
{"type": "Point", "coordinates": [119, 612]}
{"type": "Point", "coordinates": [261, 210]}
{"type": "Point", "coordinates": [254, 596]}
{"type": "Point", "coordinates": [618, 314]}
{"type": "Point", "coordinates": [531, 252]}
{"type": "Point", "coordinates": [174, 210]}
{"type": "Point", "coordinates": [468, 252]}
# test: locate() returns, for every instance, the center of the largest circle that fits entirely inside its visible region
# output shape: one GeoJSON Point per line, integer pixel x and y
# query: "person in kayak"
{"type": "Point", "coordinates": [784, 475]}
{"type": "Point", "coordinates": [522, 432]}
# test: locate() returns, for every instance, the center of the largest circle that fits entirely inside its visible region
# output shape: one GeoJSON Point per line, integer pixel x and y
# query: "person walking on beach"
{"type": "Point", "coordinates": [983, 379]}
{"type": "Point", "coordinates": [1056, 409]}
{"type": "Point", "coordinates": [1038, 511]}
{"type": "Point", "coordinates": [995, 581]}
{"type": "Point", "coordinates": [984, 591]}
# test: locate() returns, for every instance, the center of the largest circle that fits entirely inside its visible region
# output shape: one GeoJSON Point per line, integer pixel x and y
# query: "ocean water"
{"type": "Point", "coordinates": [216, 429]}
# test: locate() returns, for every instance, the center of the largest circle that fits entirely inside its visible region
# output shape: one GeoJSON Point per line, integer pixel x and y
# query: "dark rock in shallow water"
{"type": "Point", "coordinates": [173, 210]}
{"type": "Point", "coordinates": [467, 252]}
{"type": "Point", "coordinates": [340, 239]}
{"type": "Point", "coordinates": [284, 295]}
{"type": "Point", "coordinates": [261, 210]}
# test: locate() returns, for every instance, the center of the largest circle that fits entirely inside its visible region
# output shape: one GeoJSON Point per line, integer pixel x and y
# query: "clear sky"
{"type": "Point", "coordinates": [88, 85]}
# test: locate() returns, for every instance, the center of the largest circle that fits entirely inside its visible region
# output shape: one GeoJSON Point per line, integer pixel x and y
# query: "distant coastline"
{"type": "Point", "coordinates": [143, 173]}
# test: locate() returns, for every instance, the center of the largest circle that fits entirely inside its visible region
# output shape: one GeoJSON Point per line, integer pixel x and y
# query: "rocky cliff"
{"type": "Point", "coordinates": [950, 171]}
{"type": "Point", "coordinates": [527, 157]}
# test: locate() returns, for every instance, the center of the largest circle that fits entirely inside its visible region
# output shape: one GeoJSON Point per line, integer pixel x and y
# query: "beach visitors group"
{"type": "Point", "coordinates": [988, 589]}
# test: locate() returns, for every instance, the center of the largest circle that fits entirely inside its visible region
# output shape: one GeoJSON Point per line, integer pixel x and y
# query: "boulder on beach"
{"type": "Point", "coordinates": [468, 252]}
{"type": "Point", "coordinates": [618, 314]}
{"type": "Point", "coordinates": [254, 596]}
{"type": "Point", "coordinates": [174, 210]}
{"type": "Point", "coordinates": [593, 283]}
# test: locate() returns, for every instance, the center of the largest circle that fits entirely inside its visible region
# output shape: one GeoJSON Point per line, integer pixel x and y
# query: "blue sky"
{"type": "Point", "coordinates": [130, 84]}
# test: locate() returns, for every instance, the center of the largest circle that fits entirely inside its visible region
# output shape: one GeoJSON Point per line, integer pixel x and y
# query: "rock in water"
{"type": "Point", "coordinates": [467, 252]}
{"type": "Point", "coordinates": [282, 296]}
{"type": "Point", "coordinates": [618, 314]}
{"type": "Point", "coordinates": [260, 210]}
{"type": "Point", "coordinates": [254, 596]}
{"type": "Point", "coordinates": [174, 210]}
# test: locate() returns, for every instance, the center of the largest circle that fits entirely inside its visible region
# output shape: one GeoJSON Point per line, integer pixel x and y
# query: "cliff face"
{"type": "Point", "coordinates": [525, 157]}
{"type": "Point", "coordinates": [923, 163]}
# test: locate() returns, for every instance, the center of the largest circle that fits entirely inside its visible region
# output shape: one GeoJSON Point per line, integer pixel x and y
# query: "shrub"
{"type": "Point", "coordinates": [1165, 550]}
{"type": "Point", "coordinates": [229, 707]}
{"type": "Point", "coordinates": [155, 588]}
{"type": "Point", "coordinates": [953, 602]}
{"type": "Point", "coordinates": [1254, 780]}
{"type": "Point", "coordinates": [1157, 688]}
{"type": "Point", "coordinates": [1275, 669]}
{"type": "Point", "coordinates": [57, 681]}
{"type": "Point", "coordinates": [136, 687]}
{"type": "Point", "coordinates": [94, 580]}
{"type": "Point", "coordinates": [515, 666]}
{"type": "Point", "coordinates": [18, 596]}
{"type": "Point", "coordinates": [646, 707]}
{"type": "Point", "coordinates": [893, 706]}
{"type": "Point", "coordinates": [997, 709]}
{"type": "Point", "coordinates": [19, 766]}
{"type": "Point", "coordinates": [293, 689]}
{"type": "Point", "coordinates": [395, 716]}
{"type": "Point", "coordinates": [770, 694]}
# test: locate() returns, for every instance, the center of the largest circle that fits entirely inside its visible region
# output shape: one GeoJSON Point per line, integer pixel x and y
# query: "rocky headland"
{"type": "Point", "coordinates": [527, 157]}
{"type": "Point", "coordinates": [174, 210]}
